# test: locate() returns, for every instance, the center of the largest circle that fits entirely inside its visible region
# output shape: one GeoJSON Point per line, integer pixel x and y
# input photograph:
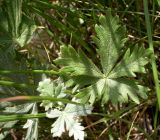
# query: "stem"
{"type": "Point", "coordinates": [153, 60]}
{"type": "Point", "coordinates": [29, 71]}
{"type": "Point", "coordinates": [9, 83]}
{"type": "Point", "coordinates": [6, 118]}
{"type": "Point", "coordinates": [155, 121]}
{"type": "Point", "coordinates": [128, 135]}
{"type": "Point", "coordinates": [38, 98]}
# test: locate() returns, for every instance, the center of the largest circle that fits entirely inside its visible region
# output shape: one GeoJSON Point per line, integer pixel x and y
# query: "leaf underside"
{"type": "Point", "coordinates": [67, 120]}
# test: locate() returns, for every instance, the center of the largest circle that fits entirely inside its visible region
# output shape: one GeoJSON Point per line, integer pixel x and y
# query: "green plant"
{"type": "Point", "coordinates": [89, 83]}
{"type": "Point", "coordinates": [110, 80]}
{"type": "Point", "coordinates": [83, 81]}
{"type": "Point", "coordinates": [16, 28]}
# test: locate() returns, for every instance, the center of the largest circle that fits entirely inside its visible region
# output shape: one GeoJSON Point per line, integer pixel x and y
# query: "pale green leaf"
{"type": "Point", "coordinates": [32, 126]}
{"type": "Point", "coordinates": [45, 87]}
{"type": "Point", "coordinates": [123, 88]}
{"type": "Point", "coordinates": [55, 88]}
{"type": "Point", "coordinates": [75, 129]}
{"type": "Point", "coordinates": [67, 120]}
{"type": "Point", "coordinates": [58, 126]}
{"type": "Point", "coordinates": [78, 110]}
{"type": "Point", "coordinates": [24, 108]}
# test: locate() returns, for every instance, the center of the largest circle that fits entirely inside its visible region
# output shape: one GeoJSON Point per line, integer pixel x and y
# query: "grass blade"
{"type": "Point", "coordinates": [38, 98]}
{"type": "Point", "coordinates": [153, 60]}
{"type": "Point", "coordinates": [6, 118]}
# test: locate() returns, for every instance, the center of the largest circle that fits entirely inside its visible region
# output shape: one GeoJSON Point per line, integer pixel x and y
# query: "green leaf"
{"type": "Point", "coordinates": [117, 90]}
{"type": "Point", "coordinates": [50, 88]}
{"type": "Point", "coordinates": [113, 83]}
{"type": "Point", "coordinates": [32, 126]}
{"type": "Point", "coordinates": [27, 28]}
{"type": "Point", "coordinates": [110, 40]}
{"type": "Point", "coordinates": [16, 28]}
{"type": "Point", "coordinates": [12, 110]}
{"type": "Point", "coordinates": [131, 63]}
{"type": "Point", "coordinates": [14, 15]}
{"type": "Point", "coordinates": [77, 63]}
{"type": "Point", "coordinates": [93, 92]}
{"type": "Point", "coordinates": [68, 121]}
{"type": "Point", "coordinates": [158, 1]}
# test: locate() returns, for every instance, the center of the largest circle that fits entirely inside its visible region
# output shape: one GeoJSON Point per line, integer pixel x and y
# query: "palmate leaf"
{"type": "Point", "coordinates": [55, 88]}
{"type": "Point", "coordinates": [112, 82]}
{"type": "Point", "coordinates": [67, 120]}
